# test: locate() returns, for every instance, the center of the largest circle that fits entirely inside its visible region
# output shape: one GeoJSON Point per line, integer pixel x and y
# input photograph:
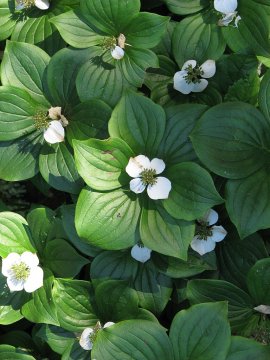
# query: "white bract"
{"type": "Point", "coordinates": [22, 272]}
{"type": "Point", "coordinates": [192, 78]}
{"type": "Point", "coordinates": [141, 253]}
{"type": "Point", "coordinates": [117, 53]}
{"type": "Point", "coordinates": [25, 4]}
{"type": "Point", "coordinates": [89, 335]}
{"type": "Point", "coordinates": [144, 173]}
{"type": "Point", "coordinates": [228, 10]}
{"type": "Point", "coordinates": [55, 132]}
{"type": "Point", "coordinates": [207, 235]}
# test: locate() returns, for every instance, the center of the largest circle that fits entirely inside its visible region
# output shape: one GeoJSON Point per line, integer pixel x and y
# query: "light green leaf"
{"type": "Point", "coordinates": [6, 22]}
{"type": "Point", "coordinates": [102, 163]}
{"type": "Point", "coordinates": [201, 332]}
{"type": "Point", "coordinates": [23, 66]}
{"type": "Point", "coordinates": [264, 95]}
{"type": "Point", "coordinates": [247, 349]}
{"type": "Point", "coordinates": [184, 7]}
{"type": "Point", "coordinates": [139, 122]}
{"type": "Point", "coordinates": [107, 220]}
{"type": "Point", "coordinates": [8, 352]}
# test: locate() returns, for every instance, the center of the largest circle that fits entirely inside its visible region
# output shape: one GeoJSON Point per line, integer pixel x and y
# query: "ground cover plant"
{"type": "Point", "coordinates": [134, 179]}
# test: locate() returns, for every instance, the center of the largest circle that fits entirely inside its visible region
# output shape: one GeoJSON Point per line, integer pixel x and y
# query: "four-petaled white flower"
{"type": "Point", "coordinates": [141, 253]}
{"type": "Point", "coordinates": [22, 272]}
{"type": "Point", "coordinates": [228, 10]}
{"type": "Point", "coordinates": [118, 51]}
{"type": "Point", "coordinates": [207, 235]}
{"type": "Point", "coordinates": [144, 173]}
{"type": "Point", "coordinates": [89, 334]}
{"type": "Point", "coordinates": [55, 132]}
{"type": "Point", "coordinates": [40, 4]}
{"type": "Point", "coordinates": [192, 78]}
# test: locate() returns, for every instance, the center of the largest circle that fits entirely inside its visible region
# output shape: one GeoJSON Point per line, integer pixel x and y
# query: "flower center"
{"type": "Point", "coordinates": [148, 177]}
{"type": "Point", "coordinates": [41, 120]}
{"type": "Point", "coordinates": [109, 43]}
{"type": "Point", "coordinates": [193, 74]}
{"type": "Point", "coordinates": [27, 4]}
{"type": "Point", "coordinates": [20, 271]}
{"type": "Point", "coordinates": [96, 329]}
{"type": "Point", "coordinates": [203, 231]}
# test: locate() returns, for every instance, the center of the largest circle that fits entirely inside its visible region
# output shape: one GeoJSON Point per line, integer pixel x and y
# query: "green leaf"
{"type": "Point", "coordinates": [14, 234]}
{"type": "Point", "coordinates": [6, 21]}
{"type": "Point", "coordinates": [193, 191]}
{"type": "Point", "coordinates": [139, 122]}
{"type": "Point", "coordinates": [245, 90]}
{"type": "Point", "coordinates": [40, 222]}
{"type": "Point", "coordinates": [128, 338]}
{"type": "Point", "coordinates": [89, 119]}
{"type": "Point", "coordinates": [107, 220]}
{"type": "Point", "coordinates": [110, 16]}
{"type": "Point", "coordinates": [41, 308]}
{"type": "Point", "coordinates": [23, 66]}
{"type": "Point", "coordinates": [241, 313]}
{"type": "Point", "coordinates": [184, 7]}
{"type": "Point", "coordinates": [75, 31]}
{"type": "Point", "coordinates": [57, 338]}
{"type": "Point", "coordinates": [8, 352]}
{"type": "Point", "coordinates": [62, 259]}
{"type": "Point", "coordinates": [19, 157]}
{"type": "Point", "coordinates": [201, 332]}
{"type": "Point", "coordinates": [198, 37]}
{"type": "Point", "coordinates": [153, 288]}
{"type": "Point", "coordinates": [61, 77]}
{"type": "Point", "coordinates": [231, 140]}
{"type": "Point", "coordinates": [75, 352]}
{"type": "Point", "coordinates": [247, 202]}
{"type": "Point", "coordinates": [258, 282]}
{"type": "Point", "coordinates": [73, 301]}
{"type": "Point", "coordinates": [181, 119]}
{"type": "Point", "coordinates": [57, 166]}
{"type": "Point", "coordinates": [38, 31]}
{"type": "Point", "coordinates": [247, 349]}
{"type": "Point", "coordinates": [145, 30]}
{"type": "Point", "coordinates": [68, 217]}
{"type": "Point", "coordinates": [236, 257]}
{"type": "Point", "coordinates": [102, 163]}
{"type": "Point", "coordinates": [17, 109]}
{"type": "Point", "coordinates": [264, 94]}
{"type": "Point", "coordinates": [164, 234]}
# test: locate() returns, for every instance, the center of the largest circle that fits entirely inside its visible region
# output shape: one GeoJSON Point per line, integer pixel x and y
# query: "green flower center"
{"type": "Point", "coordinates": [94, 334]}
{"type": "Point", "coordinates": [27, 3]}
{"type": "Point", "coordinates": [193, 74]}
{"type": "Point", "coordinates": [148, 177]}
{"type": "Point", "coordinates": [20, 271]}
{"type": "Point", "coordinates": [203, 231]}
{"type": "Point", "coordinates": [109, 43]}
{"type": "Point", "coordinates": [41, 120]}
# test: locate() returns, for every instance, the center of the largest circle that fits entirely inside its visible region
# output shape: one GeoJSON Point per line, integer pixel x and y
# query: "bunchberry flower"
{"type": "Point", "coordinates": [228, 10]}
{"type": "Point", "coordinates": [144, 173]}
{"type": "Point", "coordinates": [22, 272]}
{"type": "Point", "coordinates": [192, 78]}
{"type": "Point", "coordinates": [141, 253]}
{"type": "Point", "coordinates": [26, 4]}
{"type": "Point", "coordinates": [207, 235]}
{"type": "Point", "coordinates": [55, 132]}
{"type": "Point", "coordinates": [117, 53]}
{"type": "Point", "coordinates": [89, 335]}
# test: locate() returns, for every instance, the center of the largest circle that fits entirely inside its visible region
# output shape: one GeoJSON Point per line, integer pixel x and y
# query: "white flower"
{"type": "Point", "coordinates": [55, 132]}
{"type": "Point", "coordinates": [117, 53]}
{"type": "Point", "coordinates": [22, 272]}
{"type": "Point", "coordinates": [228, 10]}
{"type": "Point", "coordinates": [263, 309]}
{"type": "Point", "coordinates": [144, 173]}
{"type": "Point", "coordinates": [192, 78]}
{"type": "Point", "coordinates": [40, 4]}
{"type": "Point", "coordinates": [55, 113]}
{"type": "Point", "coordinates": [141, 253]}
{"type": "Point", "coordinates": [89, 334]}
{"type": "Point", "coordinates": [208, 235]}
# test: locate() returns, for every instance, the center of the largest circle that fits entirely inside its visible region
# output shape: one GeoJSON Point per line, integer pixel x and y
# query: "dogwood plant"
{"type": "Point", "coordinates": [55, 132]}
{"type": "Point", "coordinates": [207, 234]}
{"type": "Point", "coordinates": [140, 253]}
{"type": "Point", "coordinates": [228, 10]}
{"type": "Point", "coordinates": [22, 272]}
{"type": "Point", "coordinates": [192, 77]}
{"type": "Point", "coordinates": [144, 173]}
{"type": "Point", "coordinates": [89, 335]}
{"type": "Point", "coordinates": [26, 4]}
